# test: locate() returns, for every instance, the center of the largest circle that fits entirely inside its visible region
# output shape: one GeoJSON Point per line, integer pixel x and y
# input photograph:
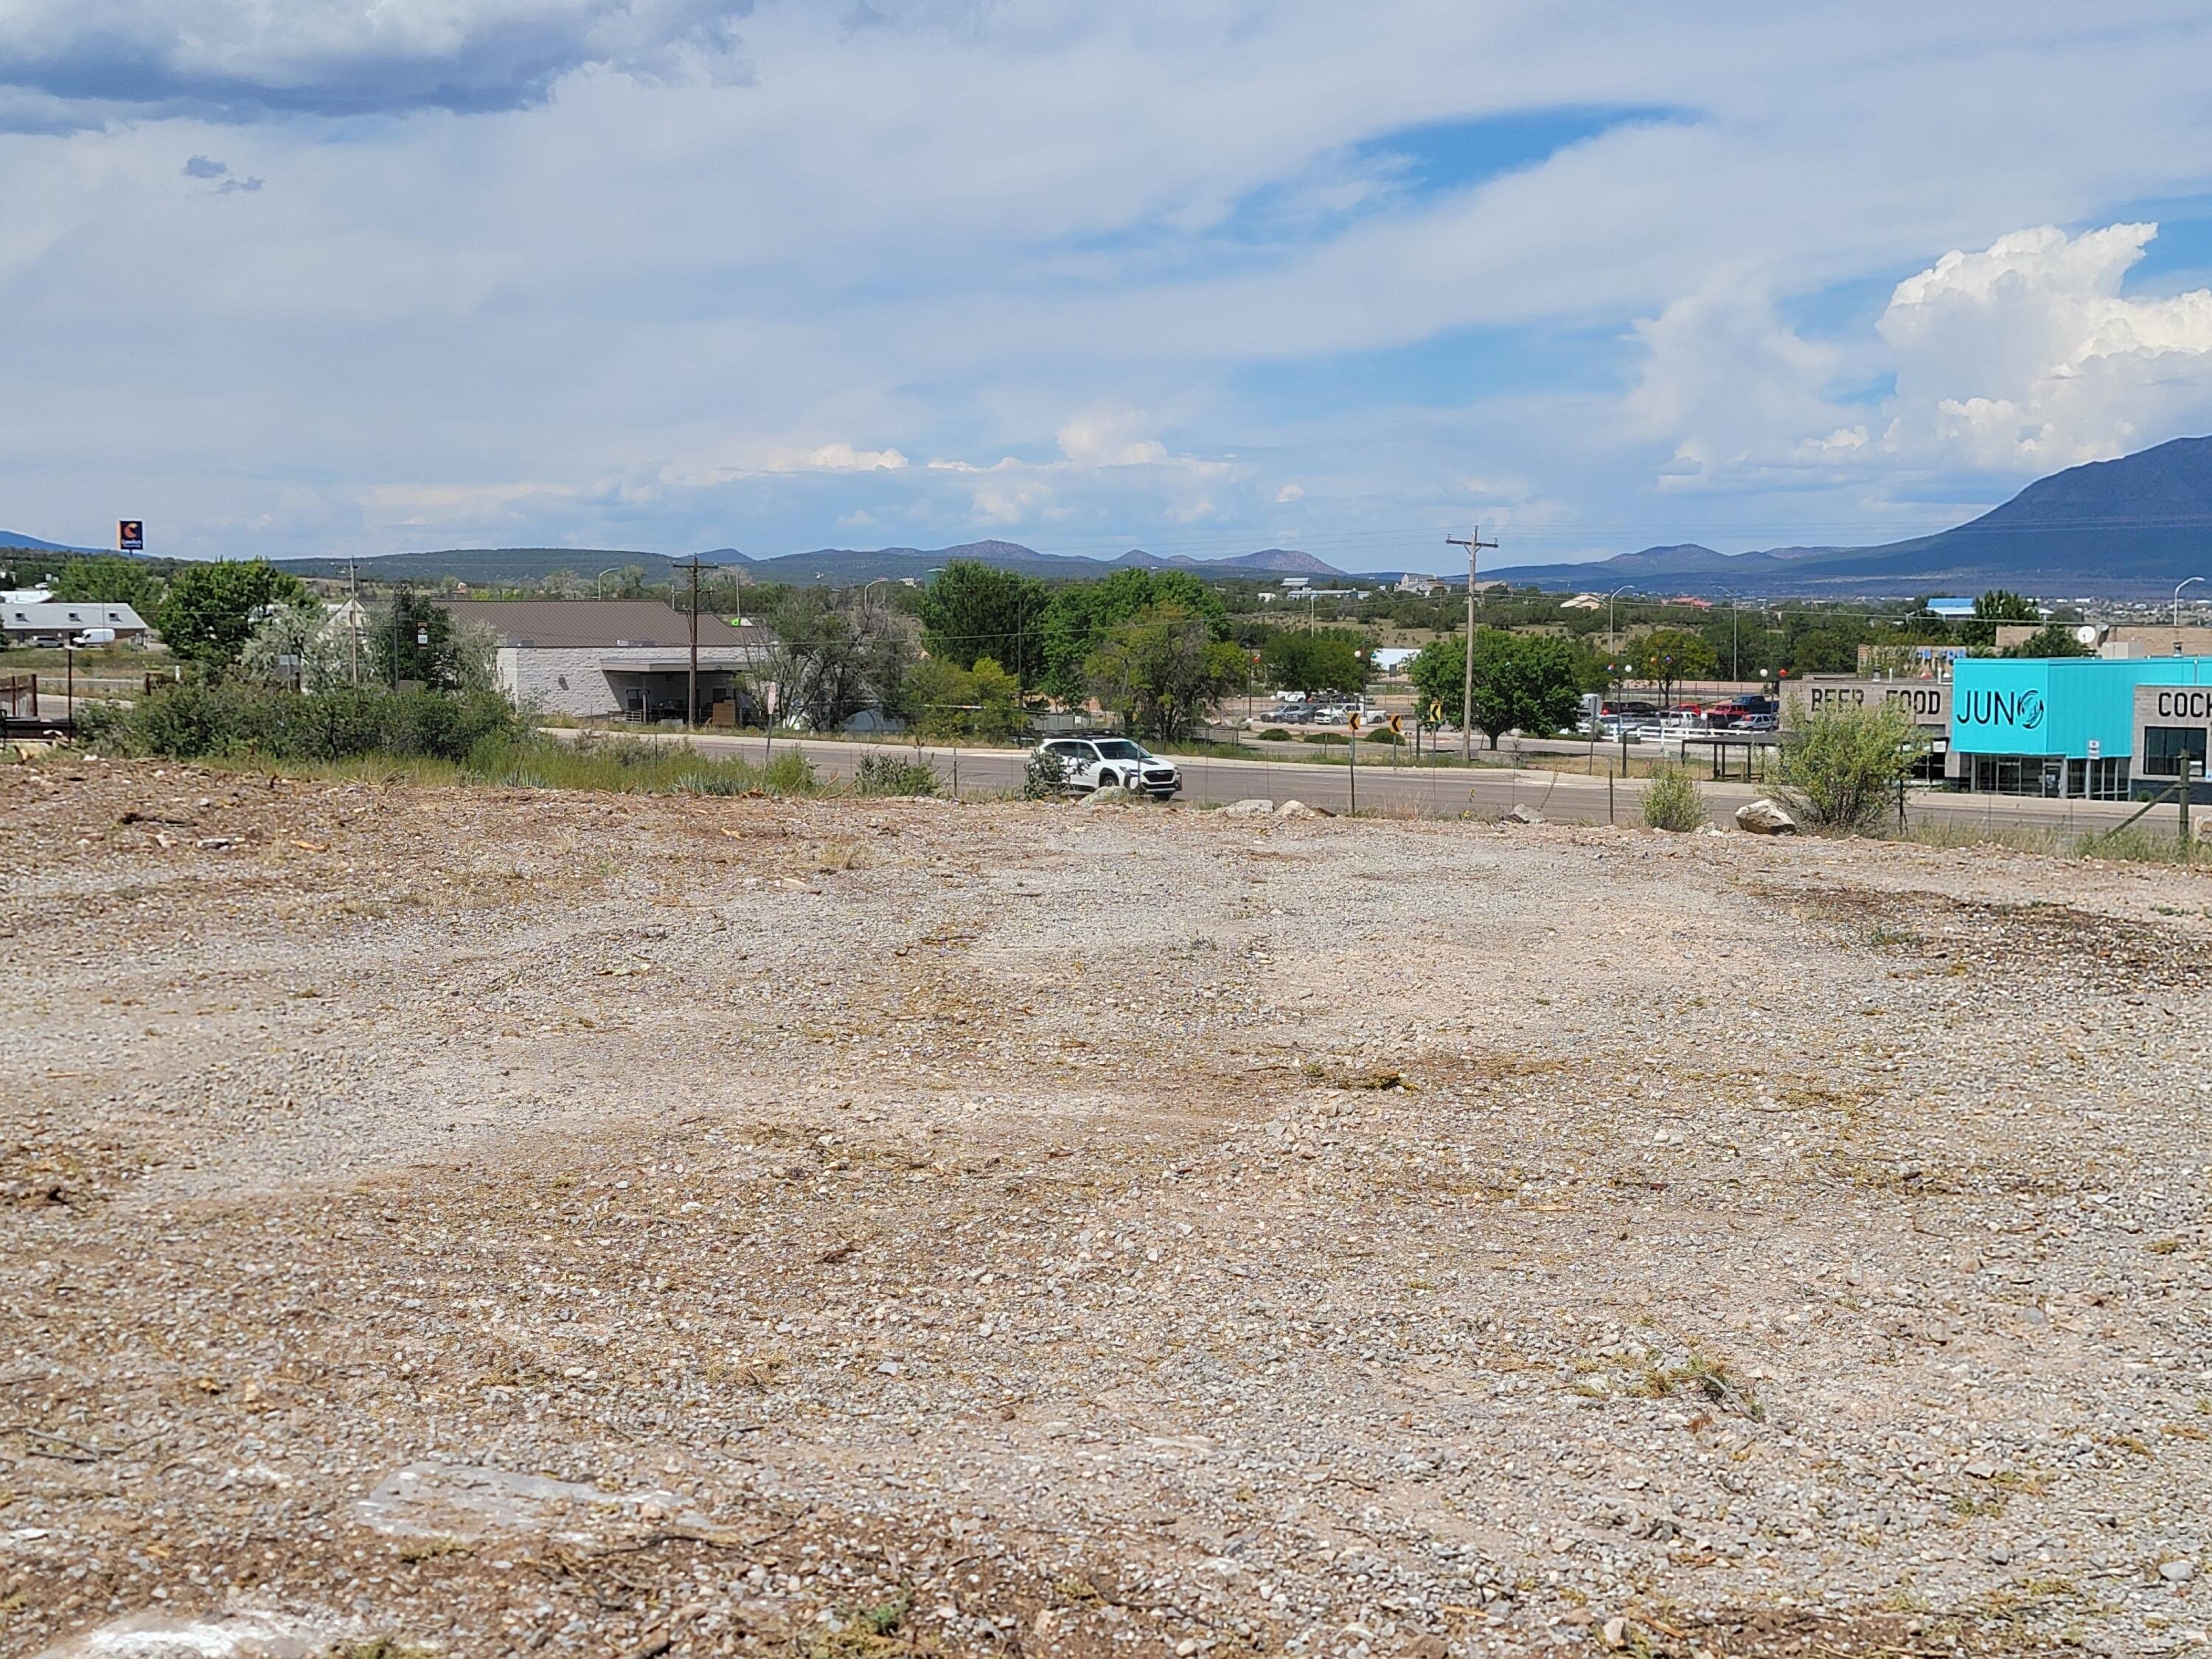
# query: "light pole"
{"type": "Point", "coordinates": [2178, 586]}
{"type": "Point", "coordinates": [601, 585]}
{"type": "Point", "coordinates": [1612, 643]}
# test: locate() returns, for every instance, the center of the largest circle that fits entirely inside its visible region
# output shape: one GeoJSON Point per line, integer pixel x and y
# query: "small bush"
{"type": "Point", "coordinates": [1044, 777]}
{"type": "Point", "coordinates": [1842, 768]}
{"type": "Point", "coordinates": [1673, 800]}
{"type": "Point", "coordinates": [1381, 734]}
{"type": "Point", "coordinates": [1274, 734]}
{"type": "Point", "coordinates": [888, 775]}
{"type": "Point", "coordinates": [198, 721]}
{"type": "Point", "coordinates": [790, 774]}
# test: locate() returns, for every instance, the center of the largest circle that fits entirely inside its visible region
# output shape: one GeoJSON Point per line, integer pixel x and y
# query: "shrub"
{"type": "Point", "coordinates": [1673, 801]}
{"type": "Point", "coordinates": [1274, 734]}
{"type": "Point", "coordinates": [1842, 768]}
{"type": "Point", "coordinates": [195, 720]}
{"type": "Point", "coordinates": [888, 775]}
{"type": "Point", "coordinates": [790, 774]}
{"type": "Point", "coordinates": [1381, 734]}
{"type": "Point", "coordinates": [1044, 777]}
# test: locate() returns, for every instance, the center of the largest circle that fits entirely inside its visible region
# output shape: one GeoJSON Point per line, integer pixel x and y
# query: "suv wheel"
{"type": "Point", "coordinates": [1108, 781]}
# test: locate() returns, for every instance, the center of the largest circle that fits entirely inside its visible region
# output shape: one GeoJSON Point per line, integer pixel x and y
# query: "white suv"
{"type": "Point", "coordinates": [1090, 763]}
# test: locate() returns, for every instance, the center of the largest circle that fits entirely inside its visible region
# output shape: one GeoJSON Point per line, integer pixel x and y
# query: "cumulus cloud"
{"type": "Point", "coordinates": [1728, 382]}
{"type": "Point", "coordinates": [227, 59]}
{"type": "Point", "coordinates": [2026, 356]}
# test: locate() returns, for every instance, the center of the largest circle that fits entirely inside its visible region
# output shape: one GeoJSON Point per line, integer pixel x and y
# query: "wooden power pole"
{"type": "Point", "coordinates": [1473, 544]}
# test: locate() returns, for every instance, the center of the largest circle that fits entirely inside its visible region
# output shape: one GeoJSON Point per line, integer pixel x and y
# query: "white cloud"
{"type": "Point", "coordinates": [1727, 384]}
{"type": "Point", "coordinates": [1110, 437]}
{"type": "Point", "coordinates": [840, 457]}
{"type": "Point", "coordinates": [2026, 357]}
{"type": "Point", "coordinates": [1289, 492]}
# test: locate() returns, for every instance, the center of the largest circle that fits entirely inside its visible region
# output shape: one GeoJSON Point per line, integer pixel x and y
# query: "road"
{"type": "Point", "coordinates": [1419, 791]}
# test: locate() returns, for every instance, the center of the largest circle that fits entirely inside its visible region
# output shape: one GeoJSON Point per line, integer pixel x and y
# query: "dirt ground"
{"type": "Point", "coordinates": [488, 1223]}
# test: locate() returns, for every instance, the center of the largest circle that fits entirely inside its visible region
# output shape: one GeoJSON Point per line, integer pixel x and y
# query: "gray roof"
{"type": "Point", "coordinates": [597, 624]}
{"type": "Point", "coordinates": [68, 616]}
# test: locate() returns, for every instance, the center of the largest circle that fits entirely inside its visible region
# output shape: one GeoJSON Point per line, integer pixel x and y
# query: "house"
{"type": "Point", "coordinates": [1422, 587]}
{"type": "Point", "coordinates": [625, 658]}
{"type": "Point", "coordinates": [1582, 602]}
{"type": "Point", "coordinates": [60, 620]}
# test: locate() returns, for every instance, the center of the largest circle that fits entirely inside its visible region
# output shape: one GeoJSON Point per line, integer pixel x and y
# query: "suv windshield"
{"type": "Point", "coordinates": [1120, 749]}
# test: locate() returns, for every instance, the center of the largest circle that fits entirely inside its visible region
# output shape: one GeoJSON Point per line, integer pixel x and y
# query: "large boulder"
{"type": "Point", "coordinates": [1763, 817]}
{"type": "Point", "coordinates": [1249, 808]}
{"type": "Point", "coordinates": [1524, 813]}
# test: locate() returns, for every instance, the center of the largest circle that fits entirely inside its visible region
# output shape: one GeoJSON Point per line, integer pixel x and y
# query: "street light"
{"type": "Point", "coordinates": [2178, 586]}
{"type": "Point", "coordinates": [1612, 644]}
{"type": "Point", "coordinates": [613, 569]}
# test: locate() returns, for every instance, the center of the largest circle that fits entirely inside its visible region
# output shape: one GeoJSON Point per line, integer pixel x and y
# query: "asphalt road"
{"type": "Point", "coordinates": [1421, 791]}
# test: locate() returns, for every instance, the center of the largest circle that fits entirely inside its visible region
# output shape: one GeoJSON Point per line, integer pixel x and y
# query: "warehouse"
{"type": "Point", "coordinates": [627, 659]}
{"type": "Point", "coordinates": [2091, 728]}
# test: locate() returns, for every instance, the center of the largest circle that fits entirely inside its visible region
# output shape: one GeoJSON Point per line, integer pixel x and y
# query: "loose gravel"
{"type": "Point", "coordinates": [484, 1222]}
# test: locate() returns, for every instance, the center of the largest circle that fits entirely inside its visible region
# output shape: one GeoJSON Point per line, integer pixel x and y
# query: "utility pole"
{"type": "Point", "coordinates": [691, 683]}
{"type": "Point", "coordinates": [1473, 544]}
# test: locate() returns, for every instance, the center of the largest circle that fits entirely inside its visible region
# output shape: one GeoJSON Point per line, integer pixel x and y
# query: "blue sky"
{"type": "Point", "coordinates": [1201, 277]}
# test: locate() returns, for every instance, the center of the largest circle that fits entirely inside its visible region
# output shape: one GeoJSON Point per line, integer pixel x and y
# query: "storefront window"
{"type": "Point", "coordinates": [2165, 747]}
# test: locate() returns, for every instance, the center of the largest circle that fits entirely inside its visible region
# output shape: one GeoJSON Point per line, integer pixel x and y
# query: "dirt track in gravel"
{"type": "Point", "coordinates": [507, 1220]}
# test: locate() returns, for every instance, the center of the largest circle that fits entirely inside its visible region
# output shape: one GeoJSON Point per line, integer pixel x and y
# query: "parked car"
{"type": "Point", "coordinates": [1092, 763]}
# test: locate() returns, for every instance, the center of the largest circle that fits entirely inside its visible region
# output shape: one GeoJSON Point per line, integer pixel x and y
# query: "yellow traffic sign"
{"type": "Point", "coordinates": [1352, 721]}
{"type": "Point", "coordinates": [1397, 724]}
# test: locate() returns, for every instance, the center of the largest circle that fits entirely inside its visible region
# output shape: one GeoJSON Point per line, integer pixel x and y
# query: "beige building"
{"type": "Point", "coordinates": [625, 659]}
{"type": "Point", "coordinates": [2151, 639]}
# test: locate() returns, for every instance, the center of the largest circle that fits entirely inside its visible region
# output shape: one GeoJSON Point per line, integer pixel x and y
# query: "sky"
{"type": "Point", "coordinates": [292, 277]}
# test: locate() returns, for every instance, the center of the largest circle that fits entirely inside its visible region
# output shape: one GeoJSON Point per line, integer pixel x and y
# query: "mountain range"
{"type": "Point", "coordinates": [838, 566]}
{"type": "Point", "coordinates": [2130, 528]}
{"type": "Point", "coordinates": [2126, 528]}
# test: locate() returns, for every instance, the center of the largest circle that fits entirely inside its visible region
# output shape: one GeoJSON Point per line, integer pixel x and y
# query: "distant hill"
{"type": "Point", "coordinates": [839, 567]}
{"type": "Point", "coordinates": [2129, 528]}
{"type": "Point", "coordinates": [487, 564]}
{"type": "Point", "coordinates": [16, 539]}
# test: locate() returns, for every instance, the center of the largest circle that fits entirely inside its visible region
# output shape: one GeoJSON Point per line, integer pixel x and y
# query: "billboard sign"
{"type": "Point", "coordinates": [130, 535]}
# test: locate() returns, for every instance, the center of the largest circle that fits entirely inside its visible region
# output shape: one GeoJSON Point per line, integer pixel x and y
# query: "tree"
{"type": "Point", "coordinates": [1081, 615]}
{"type": "Point", "coordinates": [948, 701]}
{"type": "Point", "coordinates": [295, 646]}
{"type": "Point", "coordinates": [1332, 659]}
{"type": "Point", "coordinates": [830, 662]}
{"type": "Point", "coordinates": [1161, 670]}
{"type": "Point", "coordinates": [1832, 648]}
{"type": "Point", "coordinates": [1523, 681]}
{"type": "Point", "coordinates": [1998, 605]}
{"type": "Point", "coordinates": [1671, 655]}
{"type": "Point", "coordinates": [411, 638]}
{"type": "Point", "coordinates": [108, 579]}
{"type": "Point", "coordinates": [973, 609]}
{"type": "Point", "coordinates": [2052, 640]}
{"type": "Point", "coordinates": [208, 614]}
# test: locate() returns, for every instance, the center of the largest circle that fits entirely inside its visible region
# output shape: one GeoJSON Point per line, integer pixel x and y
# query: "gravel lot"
{"type": "Point", "coordinates": [498, 1222]}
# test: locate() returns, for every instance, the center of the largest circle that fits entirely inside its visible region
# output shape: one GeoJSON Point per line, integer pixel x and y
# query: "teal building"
{"type": "Point", "coordinates": [2062, 726]}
